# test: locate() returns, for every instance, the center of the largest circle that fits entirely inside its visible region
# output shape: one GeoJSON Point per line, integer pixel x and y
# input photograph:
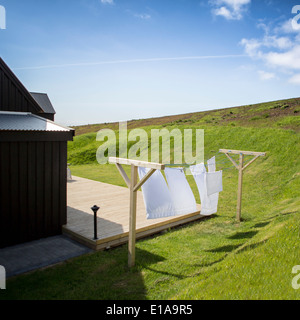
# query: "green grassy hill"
{"type": "Point", "coordinates": [216, 258]}
{"type": "Point", "coordinates": [284, 114]}
{"type": "Point", "coordinates": [268, 113]}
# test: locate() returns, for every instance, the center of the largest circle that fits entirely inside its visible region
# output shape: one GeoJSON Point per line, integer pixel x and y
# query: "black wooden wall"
{"type": "Point", "coordinates": [33, 200]}
{"type": "Point", "coordinates": [13, 95]}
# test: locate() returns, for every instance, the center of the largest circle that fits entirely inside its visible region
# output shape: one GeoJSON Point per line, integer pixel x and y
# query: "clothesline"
{"type": "Point", "coordinates": [226, 161]}
{"type": "Point", "coordinates": [217, 155]}
{"type": "Point", "coordinates": [188, 165]}
{"type": "Point", "coordinates": [172, 195]}
{"type": "Point", "coordinates": [209, 185]}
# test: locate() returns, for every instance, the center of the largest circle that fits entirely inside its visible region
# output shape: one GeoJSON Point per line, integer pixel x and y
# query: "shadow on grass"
{"type": "Point", "coordinates": [243, 235]}
{"type": "Point", "coordinates": [145, 258]}
{"type": "Point", "coordinates": [278, 215]}
{"type": "Point", "coordinates": [169, 274]}
{"type": "Point", "coordinates": [97, 276]}
{"type": "Point", "coordinates": [287, 213]}
{"type": "Point", "coordinates": [252, 246]}
{"type": "Point", "coordinates": [129, 283]}
{"type": "Point", "coordinates": [261, 225]}
{"type": "Point", "coordinates": [226, 249]}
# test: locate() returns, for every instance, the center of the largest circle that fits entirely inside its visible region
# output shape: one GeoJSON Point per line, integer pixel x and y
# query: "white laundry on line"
{"type": "Point", "coordinates": [181, 193]}
{"type": "Point", "coordinates": [176, 198]}
{"type": "Point", "coordinates": [162, 200]}
{"type": "Point", "coordinates": [157, 196]}
{"type": "Point", "coordinates": [214, 182]}
{"type": "Point", "coordinates": [204, 180]}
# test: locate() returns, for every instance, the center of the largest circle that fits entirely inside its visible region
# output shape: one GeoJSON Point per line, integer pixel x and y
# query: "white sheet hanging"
{"type": "Point", "coordinates": [209, 202]}
{"type": "Point", "coordinates": [214, 182]}
{"type": "Point", "coordinates": [211, 164]}
{"type": "Point", "coordinates": [157, 196]}
{"type": "Point", "coordinates": [199, 174]}
{"type": "Point", "coordinates": [214, 197]}
{"type": "Point", "coordinates": [181, 193]}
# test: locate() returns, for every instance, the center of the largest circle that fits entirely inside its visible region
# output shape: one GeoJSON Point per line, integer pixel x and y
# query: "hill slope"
{"type": "Point", "coordinates": [221, 259]}
{"type": "Point", "coordinates": [283, 114]}
{"type": "Point", "coordinates": [278, 113]}
{"type": "Point", "coordinates": [216, 258]}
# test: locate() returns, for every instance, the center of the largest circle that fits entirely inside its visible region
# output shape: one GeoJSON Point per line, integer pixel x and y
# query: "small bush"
{"type": "Point", "coordinates": [284, 106]}
{"type": "Point", "coordinates": [255, 118]}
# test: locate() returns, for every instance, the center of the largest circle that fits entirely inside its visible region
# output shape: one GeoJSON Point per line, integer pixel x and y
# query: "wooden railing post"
{"type": "Point", "coordinates": [134, 186]}
{"type": "Point", "coordinates": [241, 169]}
{"type": "Point", "coordinates": [240, 188]}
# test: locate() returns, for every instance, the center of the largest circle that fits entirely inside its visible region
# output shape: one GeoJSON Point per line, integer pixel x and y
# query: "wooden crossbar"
{"type": "Point", "coordinates": [248, 153]}
{"type": "Point", "coordinates": [134, 186]}
{"type": "Point", "coordinates": [123, 174]}
{"type": "Point", "coordinates": [241, 167]}
{"type": "Point", "coordinates": [137, 163]}
{"type": "Point", "coordinates": [144, 179]}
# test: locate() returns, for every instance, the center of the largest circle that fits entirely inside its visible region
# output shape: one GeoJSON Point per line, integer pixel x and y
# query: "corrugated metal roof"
{"type": "Point", "coordinates": [21, 121]}
{"type": "Point", "coordinates": [44, 102]}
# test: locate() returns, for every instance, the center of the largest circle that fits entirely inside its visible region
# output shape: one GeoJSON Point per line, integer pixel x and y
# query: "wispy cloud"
{"type": "Point", "coordinates": [295, 79]}
{"type": "Point", "coordinates": [266, 75]}
{"type": "Point", "coordinates": [279, 48]}
{"type": "Point", "coordinates": [143, 16]}
{"type": "Point", "coordinates": [254, 47]}
{"type": "Point", "coordinates": [107, 1]}
{"type": "Point", "coordinates": [230, 9]}
{"type": "Point", "coordinates": [87, 64]}
{"type": "Point", "coordinates": [286, 27]}
{"type": "Point", "coordinates": [289, 59]}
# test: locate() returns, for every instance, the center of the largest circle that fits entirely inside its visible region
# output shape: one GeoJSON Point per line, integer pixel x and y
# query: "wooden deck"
{"type": "Point", "coordinates": [113, 216]}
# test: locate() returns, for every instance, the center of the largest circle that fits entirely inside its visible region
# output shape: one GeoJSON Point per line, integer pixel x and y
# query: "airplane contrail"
{"type": "Point", "coordinates": [132, 61]}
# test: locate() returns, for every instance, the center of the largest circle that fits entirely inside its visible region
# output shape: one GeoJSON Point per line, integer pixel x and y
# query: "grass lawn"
{"type": "Point", "coordinates": [215, 258]}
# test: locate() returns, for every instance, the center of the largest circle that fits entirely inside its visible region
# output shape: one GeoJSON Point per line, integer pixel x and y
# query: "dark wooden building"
{"type": "Point", "coordinates": [44, 102]}
{"type": "Point", "coordinates": [33, 164]}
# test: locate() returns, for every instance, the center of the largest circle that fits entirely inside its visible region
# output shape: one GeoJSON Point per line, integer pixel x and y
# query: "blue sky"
{"type": "Point", "coordinates": [116, 60]}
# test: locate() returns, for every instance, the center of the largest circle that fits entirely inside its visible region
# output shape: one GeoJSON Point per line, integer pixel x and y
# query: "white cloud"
{"type": "Point", "coordinates": [252, 47]}
{"type": "Point", "coordinates": [107, 1]}
{"type": "Point", "coordinates": [223, 11]}
{"type": "Point", "coordinates": [143, 16]}
{"type": "Point", "coordinates": [278, 48]}
{"type": "Point", "coordinates": [255, 47]}
{"type": "Point", "coordinates": [88, 64]}
{"type": "Point", "coordinates": [266, 75]}
{"type": "Point", "coordinates": [230, 9]}
{"type": "Point", "coordinates": [289, 59]}
{"type": "Point", "coordinates": [286, 27]}
{"type": "Point", "coordinates": [295, 79]}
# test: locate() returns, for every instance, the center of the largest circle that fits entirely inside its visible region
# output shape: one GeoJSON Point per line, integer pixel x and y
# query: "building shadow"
{"type": "Point", "coordinates": [82, 223]}
{"type": "Point", "coordinates": [120, 281]}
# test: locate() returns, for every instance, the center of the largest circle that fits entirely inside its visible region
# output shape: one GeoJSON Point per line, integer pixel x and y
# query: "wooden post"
{"type": "Point", "coordinates": [132, 217]}
{"type": "Point", "coordinates": [133, 188]}
{"type": "Point", "coordinates": [241, 169]}
{"type": "Point", "coordinates": [240, 188]}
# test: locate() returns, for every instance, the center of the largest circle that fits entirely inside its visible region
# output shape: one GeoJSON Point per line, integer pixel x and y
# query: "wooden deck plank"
{"type": "Point", "coordinates": [113, 216]}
